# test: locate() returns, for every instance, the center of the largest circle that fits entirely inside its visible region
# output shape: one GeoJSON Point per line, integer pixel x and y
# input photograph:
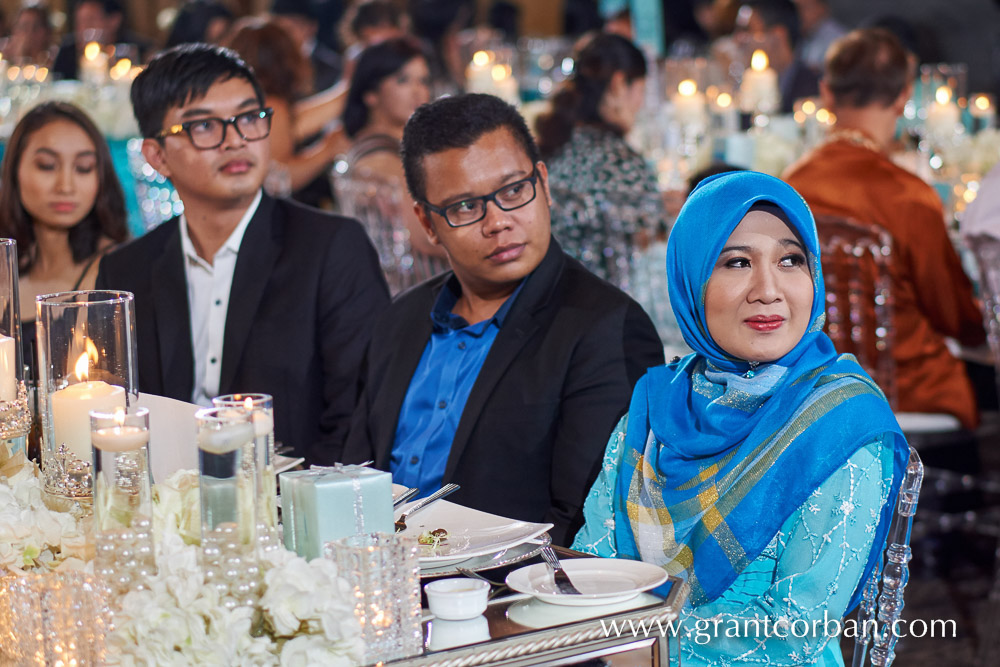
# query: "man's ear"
{"type": "Point", "coordinates": [900, 103]}
{"type": "Point", "coordinates": [424, 218]}
{"type": "Point", "coordinates": [152, 150]}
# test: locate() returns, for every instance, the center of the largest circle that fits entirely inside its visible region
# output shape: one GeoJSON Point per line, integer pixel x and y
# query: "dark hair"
{"type": "Point", "coordinates": [578, 101]}
{"type": "Point", "coordinates": [107, 6]}
{"type": "Point", "coordinates": [277, 61]}
{"type": "Point", "coordinates": [457, 122]}
{"type": "Point", "coordinates": [866, 66]}
{"type": "Point", "coordinates": [106, 218]}
{"type": "Point", "coordinates": [369, 14]}
{"type": "Point", "coordinates": [193, 19]}
{"type": "Point", "coordinates": [36, 8]}
{"type": "Point", "coordinates": [181, 74]}
{"type": "Point", "coordinates": [778, 13]}
{"type": "Point", "coordinates": [376, 63]}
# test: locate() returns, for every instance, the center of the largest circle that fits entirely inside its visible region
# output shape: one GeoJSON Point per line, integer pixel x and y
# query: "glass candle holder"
{"type": "Point", "coordinates": [15, 416]}
{"type": "Point", "coordinates": [261, 408]}
{"type": "Point", "coordinates": [382, 571]}
{"type": "Point", "coordinates": [228, 494]}
{"type": "Point", "coordinates": [56, 618]}
{"type": "Point", "coordinates": [86, 361]}
{"type": "Point", "coordinates": [123, 506]}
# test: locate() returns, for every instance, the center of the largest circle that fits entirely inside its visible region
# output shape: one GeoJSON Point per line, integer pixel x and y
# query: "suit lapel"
{"type": "Point", "coordinates": [173, 319]}
{"type": "Point", "coordinates": [259, 251]}
{"type": "Point", "coordinates": [520, 326]}
{"type": "Point", "coordinates": [402, 365]}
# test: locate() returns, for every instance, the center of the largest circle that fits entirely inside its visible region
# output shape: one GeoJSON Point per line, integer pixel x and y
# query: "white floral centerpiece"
{"type": "Point", "coordinates": [305, 615]}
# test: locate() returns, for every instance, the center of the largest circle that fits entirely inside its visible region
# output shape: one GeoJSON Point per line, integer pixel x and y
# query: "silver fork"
{"type": "Point", "coordinates": [559, 575]}
{"type": "Point", "coordinates": [437, 495]}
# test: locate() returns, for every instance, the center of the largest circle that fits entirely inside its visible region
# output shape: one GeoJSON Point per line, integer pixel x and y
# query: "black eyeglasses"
{"type": "Point", "coordinates": [472, 210]}
{"type": "Point", "coordinates": [207, 133]}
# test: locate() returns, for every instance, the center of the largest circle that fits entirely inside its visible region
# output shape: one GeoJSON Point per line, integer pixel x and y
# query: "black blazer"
{"type": "Point", "coordinates": [556, 380]}
{"type": "Point", "coordinates": [306, 291]}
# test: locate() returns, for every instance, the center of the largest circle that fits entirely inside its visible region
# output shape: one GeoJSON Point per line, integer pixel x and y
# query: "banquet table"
{"type": "Point", "coordinates": [520, 630]}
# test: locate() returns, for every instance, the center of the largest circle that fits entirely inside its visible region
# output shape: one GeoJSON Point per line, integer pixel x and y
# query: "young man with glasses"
{"type": "Point", "coordinates": [506, 375]}
{"type": "Point", "coordinates": [242, 292]}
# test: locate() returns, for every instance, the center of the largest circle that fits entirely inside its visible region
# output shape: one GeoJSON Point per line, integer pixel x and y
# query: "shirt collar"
{"type": "Point", "coordinates": [444, 320]}
{"type": "Point", "coordinates": [232, 243]}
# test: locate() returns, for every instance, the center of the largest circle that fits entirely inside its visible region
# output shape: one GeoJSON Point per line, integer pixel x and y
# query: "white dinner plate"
{"type": "Point", "coordinates": [471, 533]}
{"type": "Point", "coordinates": [500, 558]}
{"type": "Point", "coordinates": [599, 580]}
{"type": "Point", "coordinates": [533, 613]}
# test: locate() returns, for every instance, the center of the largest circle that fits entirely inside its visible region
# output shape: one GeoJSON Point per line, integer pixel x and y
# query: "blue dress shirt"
{"type": "Point", "coordinates": [438, 391]}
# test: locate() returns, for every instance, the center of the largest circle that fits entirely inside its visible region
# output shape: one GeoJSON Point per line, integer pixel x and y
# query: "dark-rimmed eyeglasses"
{"type": "Point", "coordinates": [207, 133]}
{"type": "Point", "coordinates": [472, 210]}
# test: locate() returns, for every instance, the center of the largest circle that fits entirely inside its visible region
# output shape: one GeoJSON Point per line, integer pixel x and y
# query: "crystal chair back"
{"type": "Point", "coordinates": [378, 205]}
{"type": "Point", "coordinates": [158, 201]}
{"type": "Point", "coordinates": [882, 602]}
{"type": "Point", "coordinates": [859, 299]}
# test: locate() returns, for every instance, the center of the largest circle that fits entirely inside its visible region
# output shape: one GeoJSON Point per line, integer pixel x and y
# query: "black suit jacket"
{"type": "Point", "coordinates": [557, 378]}
{"type": "Point", "coordinates": [306, 291]}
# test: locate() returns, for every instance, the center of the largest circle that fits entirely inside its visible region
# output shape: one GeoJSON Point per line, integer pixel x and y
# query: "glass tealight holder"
{"type": "Point", "coordinates": [261, 407]}
{"type": "Point", "coordinates": [15, 415]}
{"type": "Point", "coordinates": [123, 506]}
{"type": "Point", "coordinates": [86, 361]}
{"type": "Point", "coordinates": [382, 571]}
{"type": "Point", "coordinates": [228, 496]}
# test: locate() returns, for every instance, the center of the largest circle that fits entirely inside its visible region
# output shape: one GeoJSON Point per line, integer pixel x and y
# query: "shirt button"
{"type": "Point", "coordinates": [414, 460]}
{"type": "Point", "coordinates": [218, 302]}
{"type": "Point", "coordinates": [212, 360]}
{"type": "Point", "coordinates": [461, 345]}
{"type": "Point", "coordinates": [442, 404]}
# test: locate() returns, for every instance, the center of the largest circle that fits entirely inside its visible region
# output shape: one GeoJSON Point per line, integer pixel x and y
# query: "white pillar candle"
{"type": "Point", "coordinates": [943, 115]}
{"type": "Point", "coordinates": [8, 369]}
{"type": "Point", "coordinates": [94, 65]}
{"type": "Point", "coordinates": [759, 87]}
{"type": "Point", "coordinates": [226, 439]}
{"type": "Point", "coordinates": [689, 104]}
{"type": "Point", "coordinates": [263, 424]}
{"type": "Point", "coordinates": [71, 408]}
{"type": "Point", "coordinates": [120, 438]}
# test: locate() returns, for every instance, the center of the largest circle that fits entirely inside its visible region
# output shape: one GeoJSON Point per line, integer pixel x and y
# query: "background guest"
{"type": "Point", "coordinates": [200, 21]}
{"type": "Point", "coordinates": [582, 139]}
{"type": "Point", "coordinates": [60, 199]}
{"type": "Point", "coordinates": [101, 21]}
{"type": "Point", "coordinates": [298, 19]}
{"type": "Point", "coordinates": [31, 36]}
{"type": "Point", "coordinates": [368, 22]}
{"type": "Point", "coordinates": [390, 81]}
{"type": "Point", "coordinates": [283, 73]}
{"type": "Point", "coordinates": [818, 31]}
{"type": "Point", "coordinates": [867, 83]}
{"type": "Point", "coordinates": [437, 23]}
{"type": "Point", "coordinates": [983, 215]}
{"type": "Point", "coordinates": [774, 26]}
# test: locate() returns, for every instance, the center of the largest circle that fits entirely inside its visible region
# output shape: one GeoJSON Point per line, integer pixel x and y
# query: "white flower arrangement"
{"type": "Point", "coordinates": [972, 154]}
{"type": "Point", "coordinates": [305, 616]}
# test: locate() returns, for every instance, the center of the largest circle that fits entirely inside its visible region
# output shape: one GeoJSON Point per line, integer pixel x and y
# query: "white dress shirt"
{"type": "Point", "coordinates": [208, 301]}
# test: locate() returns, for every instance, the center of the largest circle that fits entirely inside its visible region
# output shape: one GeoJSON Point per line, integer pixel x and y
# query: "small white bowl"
{"type": "Point", "coordinates": [457, 599]}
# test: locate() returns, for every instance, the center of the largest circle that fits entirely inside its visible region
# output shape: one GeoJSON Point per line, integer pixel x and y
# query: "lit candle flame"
{"type": "Point", "coordinates": [248, 404]}
{"type": "Point", "coordinates": [121, 69]}
{"type": "Point", "coordinates": [13, 73]}
{"type": "Point", "coordinates": [943, 95]}
{"type": "Point", "coordinates": [982, 102]}
{"type": "Point", "coordinates": [823, 116]}
{"type": "Point", "coordinates": [82, 368]}
{"type": "Point", "coordinates": [29, 72]}
{"type": "Point", "coordinates": [687, 88]}
{"type": "Point", "coordinates": [809, 107]}
{"type": "Point", "coordinates": [91, 51]}
{"type": "Point", "coordinates": [119, 416]}
{"type": "Point", "coordinates": [758, 61]}
{"type": "Point", "coordinates": [480, 58]}
{"type": "Point", "coordinates": [724, 100]}
{"type": "Point", "coordinates": [499, 72]}
{"type": "Point", "coordinates": [42, 74]}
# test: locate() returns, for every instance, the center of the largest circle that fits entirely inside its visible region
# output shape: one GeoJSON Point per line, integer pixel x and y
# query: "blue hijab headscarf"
{"type": "Point", "coordinates": [717, 454]}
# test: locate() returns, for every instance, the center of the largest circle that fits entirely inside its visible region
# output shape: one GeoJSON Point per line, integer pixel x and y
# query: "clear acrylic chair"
{"type": "Point", "coordinates": [378, 205]}
{"type": "Point", "coordinates": [859, 309]}
{"type": "Point", "coordinates": [882, 600]}
{"type": "Point", "coordinates": [158, 201]}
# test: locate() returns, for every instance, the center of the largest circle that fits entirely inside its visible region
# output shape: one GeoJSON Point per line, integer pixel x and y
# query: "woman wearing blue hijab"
{"type": "Point", "coordinates": [761, 467]}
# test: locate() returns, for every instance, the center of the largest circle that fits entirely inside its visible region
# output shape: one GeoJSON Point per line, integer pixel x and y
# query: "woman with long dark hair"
{"type": "Point", "coordinates": [61, 200]}
{"type": "Point", "coordinates": [605, 198]}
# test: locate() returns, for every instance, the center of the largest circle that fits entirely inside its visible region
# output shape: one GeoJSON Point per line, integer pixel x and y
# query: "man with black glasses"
{"type": "Point", "coordinates": [242, 292]}
{"type": "Point", "coordinates": [507, 374]}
